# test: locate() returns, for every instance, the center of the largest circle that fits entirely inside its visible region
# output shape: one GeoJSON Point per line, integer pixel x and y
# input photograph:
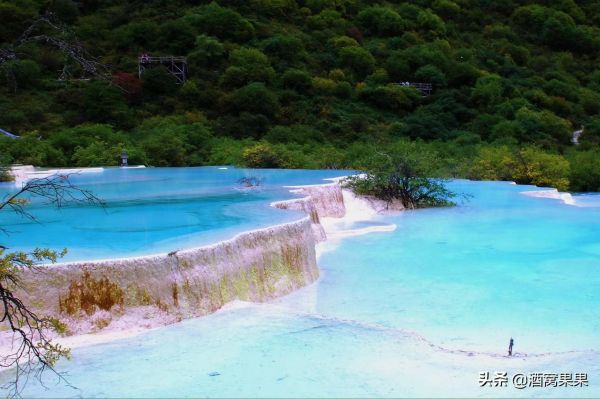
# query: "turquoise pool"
{"type": "Point", "coordinates": [417, 312]}
{"type": "Point", "coordinates": [156, 210]}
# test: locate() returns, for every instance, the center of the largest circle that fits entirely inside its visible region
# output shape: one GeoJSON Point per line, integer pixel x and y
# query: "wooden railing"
{"type": "Point", "coordinates": [177, 66]}
{"type": "Point", "coordinates": [160, 60]}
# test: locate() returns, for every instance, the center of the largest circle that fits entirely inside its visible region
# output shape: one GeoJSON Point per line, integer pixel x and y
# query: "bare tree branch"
{"type": "Point", "coordinates": [56, 189]}
{"type": "Point", "coordinates": [33, 350]}
{"type": "Point", "coordinates": [46, 29]}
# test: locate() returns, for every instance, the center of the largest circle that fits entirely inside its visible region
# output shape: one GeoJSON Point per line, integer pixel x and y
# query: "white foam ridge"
{"type": "Point", "coordinates": [357, 210]}
{"type": "Point", "coordinates": [552, 193]}
{"type": "Point", "coordinates": [22, 174]}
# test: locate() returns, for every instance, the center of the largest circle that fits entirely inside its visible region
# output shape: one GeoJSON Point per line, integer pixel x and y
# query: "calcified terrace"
{"type": "Point", "coordinates": [154, 290]}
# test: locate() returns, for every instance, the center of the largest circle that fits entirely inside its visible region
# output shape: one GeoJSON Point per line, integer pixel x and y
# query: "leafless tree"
{"type": "Point", "coordinates": [56, 190]}
{"type": "Point", "coordinates": [46, 29]}
{"type": "Point", "coordinates": [250, 181]}
{"type": "Point", "coordinates": [33, 350]}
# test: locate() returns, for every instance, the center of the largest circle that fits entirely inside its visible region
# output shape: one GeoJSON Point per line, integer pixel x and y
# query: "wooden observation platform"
{"type": "Point", "coordinates": [425, 88]}
{"type": "Point", "coordinates": [177, 66]}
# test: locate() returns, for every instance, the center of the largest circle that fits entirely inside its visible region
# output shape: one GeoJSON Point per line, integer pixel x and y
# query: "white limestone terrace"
{"type": "Point", "coordinates": [552, 193]}
{"type": "Point", "coordinates": [105, 300]}
{"type": "Point", "coordinates": [581, 200]}
{"type": "Point", "coordinates": [24, 173]}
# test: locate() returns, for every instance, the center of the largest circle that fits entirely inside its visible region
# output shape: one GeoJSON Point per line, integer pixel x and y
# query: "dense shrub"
{"type": "Point", "coordinates": [208, 52]}
{"type": "Point", "coordinates": [286, 49]}
{"type": "Point", "coordinates": [247, 66]}
{"type": "Point", "coordinates": [358, 60]}
{"type": "Point", "coordinates": [406, 172]}
{"type": "Point", "coordinates": [392, 97]}
{"type": "Point", "coordinates": [261, 155]}
{"type": "Point", "coordinates": [255, 98]}
{"type": "Point", "coordinates": [494, 163]}
{"type": "Point", "coordinates": [19, 75]}
{"type": "Point", "coordinates": [97, 153]}
{"type": "Point", "coordinates": [158, 80]}
{"type": "Point", "coordinates": [378, 20]}
{"type": "Point", "coordinates": [297, 80]}
{"type": "Point", "coordinates": [585, 171]}
{"type": "Point", "coordinates": [526, 166]}
{"type": "Point", "coordinates": [542, 169]}
{"type": "Point", "coordinates": [221, 22]}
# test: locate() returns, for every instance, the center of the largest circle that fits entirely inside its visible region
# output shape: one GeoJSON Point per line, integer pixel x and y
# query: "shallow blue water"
{"type": "Point", "coordinates": [156, 210]}
{"type": "Point", "coordinates": [264, 351]}
{"type": "Point", "coordinates": [415, 312]}
{"type": "Point", "coordinates": [501, 265]}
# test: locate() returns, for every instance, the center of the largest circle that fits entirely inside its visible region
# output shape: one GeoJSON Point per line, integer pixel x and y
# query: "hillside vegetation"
{"type": "Point", "coordinates": [311, 84]}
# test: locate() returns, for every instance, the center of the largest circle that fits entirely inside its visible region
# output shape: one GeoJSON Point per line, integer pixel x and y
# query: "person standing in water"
{"type": "Point", "coordinates": [510, 346]}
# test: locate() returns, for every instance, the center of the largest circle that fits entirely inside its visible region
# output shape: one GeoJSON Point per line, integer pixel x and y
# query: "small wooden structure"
{"type": "Point", "coordinates": [425, 88]}
{"type": "Point", "coordinates": [177, 66]}
{"type": "Point", "coordinates": [124, 158]}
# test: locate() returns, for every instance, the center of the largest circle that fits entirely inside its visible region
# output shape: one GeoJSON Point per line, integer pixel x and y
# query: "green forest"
{"type": "Point", "coordinates": [306, 84]}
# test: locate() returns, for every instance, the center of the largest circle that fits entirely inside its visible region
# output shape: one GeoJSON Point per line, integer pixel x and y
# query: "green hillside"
{"type": "Point", "coordinates": [307, 84]}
